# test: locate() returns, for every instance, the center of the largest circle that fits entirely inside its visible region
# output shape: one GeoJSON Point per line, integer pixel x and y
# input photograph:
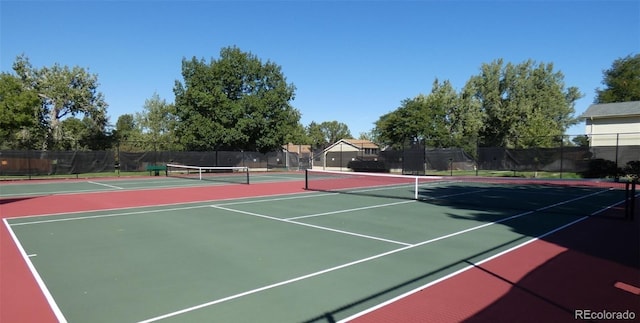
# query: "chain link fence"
{"type": "Point", "coordinates": [572, 154]}
{"type": "Point", "coordinates": [35, 163]}
{"type": "Point", "coordinates": [575, 155]}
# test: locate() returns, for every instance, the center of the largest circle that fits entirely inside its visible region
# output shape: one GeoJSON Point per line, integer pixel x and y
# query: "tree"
{"type": "Point", "coordinates": [62, 91]}
{"type": "Point", "coordinates": [334, 131]}
{"type": "Point", "coordinates": [157, 122]}
{"type": "Point", "coordinates": [125, 127]}
{"type": "Point", "coordinates": [369, 135]}
{"type": "Point", "coordinates": [435, 119]}
{"type": "Point", "coordinates": [18, 112]}
{"type": "Point", "coordinates": [316, 136]}
{"type": "Point", "coordinates": [327, 132]}
{"type": "Point", "coordinates": [581, 141]}
{"type": "Point", "coordinates": [622, 81]}
{"type": "Point", "coordinates": [234, 102]}
{"type": "Point", "coordinates": [523, 105]}
{"type": "Point", "coordinates": [298, 135]}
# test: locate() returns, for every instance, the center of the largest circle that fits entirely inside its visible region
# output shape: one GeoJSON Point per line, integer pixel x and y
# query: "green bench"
{"type": "Point", "coordinates": [156, 169]}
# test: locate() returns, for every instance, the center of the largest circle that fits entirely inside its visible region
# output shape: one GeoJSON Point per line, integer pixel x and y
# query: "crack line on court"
{"type": "Point", "coordinates": [349, 264]}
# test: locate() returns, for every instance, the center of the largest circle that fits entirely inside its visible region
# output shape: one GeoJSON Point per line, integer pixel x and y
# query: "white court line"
{"type": "Point", "coordinates": [347, 210]}
{"type": "Point", "coordinates": [206, 202]}
{"type": "Point", "coordinates": [93, 191]}
{"type": "Point", "coordinates": [52, 303]}
{"type": "Point", "coordinates": [293, 280]}
{"type": "Point", "coordinates": [180, 184]}
{"type": "Point", "coordinates": [312, 225]}
{"type": "Point", "coordinates": [106, 185]}
{"type": "Point", "coordinates": [460, 271]}
{"type": "Point", "coordinates": [278, 199]}
{"type": "Point", "coordinates": [108, 215]}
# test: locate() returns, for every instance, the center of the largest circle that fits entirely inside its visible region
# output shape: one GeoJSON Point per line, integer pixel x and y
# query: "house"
{"type": "Point", "coordinates": [298, 149]}
{"type": "Point", "coordinates": [298, 156]}
{"type": "Point", "coordinates": [613, 124]}
{"type": "Point", "coordinates": [340, 153]}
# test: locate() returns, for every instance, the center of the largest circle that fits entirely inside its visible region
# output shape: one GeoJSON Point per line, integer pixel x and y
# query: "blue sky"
{"type": "Point", "coordinates": [351, 61]}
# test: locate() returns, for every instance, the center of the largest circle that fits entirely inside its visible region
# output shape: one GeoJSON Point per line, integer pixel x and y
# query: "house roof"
{"type": "Point", "coordinates": [356, 143]}
{"type": "Point", "coordinates": [607, 110]}
{"type": "Point", "coordinates": [360, 143]}
{"type": "Point", "coordinates": [301, 149]}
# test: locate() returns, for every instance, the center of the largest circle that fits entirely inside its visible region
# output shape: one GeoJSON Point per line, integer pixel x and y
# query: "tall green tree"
{"type": "Point", "coordinates": [334, 131]}
{"type": "Point", "coordinates": [125, 127]}
{"type": "Point", "coordinates": [234, 102]}
{"type": "Point", "coordinates": [316, 136]}
{"type": "Point", "coordinates": [433, 119]}
{"type": "Point", "coordinates": [63, 91]}
{"type": "Point", "coordinates": [18, 113]}
{"type": "Point", "coordinates": [466, 121]}
{"type": "Point", "coordinates": [157, 122]}
{"type": "Point", "coordinates": [327, 132]}
{"type": "Point", "coordinates": [298, 135]}
{"type": "Point", "coordinates": [523, 105]}
{"type": "Point", "coordinates": [622, 81]}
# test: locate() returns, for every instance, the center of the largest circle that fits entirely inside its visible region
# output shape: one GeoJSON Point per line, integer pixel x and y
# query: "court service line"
{"type": "Point", "coordinates": [347, 210]}
{"type": "Point", "coordinates": [106, 185]}
{"type": "Point", "coordinates": [349, 264]}
{"type": "Point", "coordinates": [94, 191]}
{"type": "Point", "coordinates": [277, 199]}
{"type": "Point", "coordinates": [52, 303]}
{"type": "Point", "coordinates": [478, 263]}
{"type": "Point", "coordinates": [312, 225]}
{"type": "Point", "coordinates": [109, 215]}
{"type": "Point", "coordinates": [205, 203]}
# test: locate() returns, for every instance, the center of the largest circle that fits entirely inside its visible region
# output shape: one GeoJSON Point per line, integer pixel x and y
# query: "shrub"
{"type": "Point", "coordinates": [632, 169]}
{"type": "Point", "coordinates": [372, 166]}
{"type": "Point", "coordinates": [602, 168]}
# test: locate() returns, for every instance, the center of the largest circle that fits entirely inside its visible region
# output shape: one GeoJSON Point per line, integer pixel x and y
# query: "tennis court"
{"type": "Point", "coordinates": [280, 256]}
{"type": "Point", "coordinates": [94, 185]}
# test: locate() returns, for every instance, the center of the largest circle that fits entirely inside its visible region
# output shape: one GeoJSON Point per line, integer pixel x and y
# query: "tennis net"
{"type": "Point", "coordinates": [213, 173]}
{"type": "Point", "coordinates": [375, 184]}
{"type": "Point", "coordinates": [484, 194]}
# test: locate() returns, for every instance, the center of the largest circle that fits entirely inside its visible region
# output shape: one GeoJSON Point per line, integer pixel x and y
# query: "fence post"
{"type": "Point", "coordinates": [617, 145]}
{"type": "Point", "coordinates": [561, 155]}
{"type": "Point", "coordinates": [477, 166]}
{"type": "Point", "coordinates": [29, 164]}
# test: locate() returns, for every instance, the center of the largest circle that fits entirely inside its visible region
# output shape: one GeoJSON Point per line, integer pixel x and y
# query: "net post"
{"type": "Point", "coordinates": [632, 209]}
{"type": "Point", "coordinates": [306, 179]}
{"type": "Point", "coordinates": [415, 188]}
{"type": "Point", "coordinates": [627, 202]}
{"type": "Point", "coordinates": [630, 199]}
{"type": "Point", "coordinates": [200, 173]}
{"type": "Point", "coordinates": [247, 170]}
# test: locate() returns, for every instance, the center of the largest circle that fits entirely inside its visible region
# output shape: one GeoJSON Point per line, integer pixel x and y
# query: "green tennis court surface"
{"type": "Point", "coordinates": [287, 258]}
{"type": "Point", "coordinates": [37, 187]}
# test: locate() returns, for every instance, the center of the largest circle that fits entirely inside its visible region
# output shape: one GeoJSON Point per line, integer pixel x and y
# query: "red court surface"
{"type": "Point", "coordinates": [592, 265]}
{"type": "Point", "coordinates": [21, 300]}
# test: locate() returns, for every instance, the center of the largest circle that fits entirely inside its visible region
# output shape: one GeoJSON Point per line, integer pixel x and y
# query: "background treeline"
{"type": "Point", "coordinates": [239, 102]}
